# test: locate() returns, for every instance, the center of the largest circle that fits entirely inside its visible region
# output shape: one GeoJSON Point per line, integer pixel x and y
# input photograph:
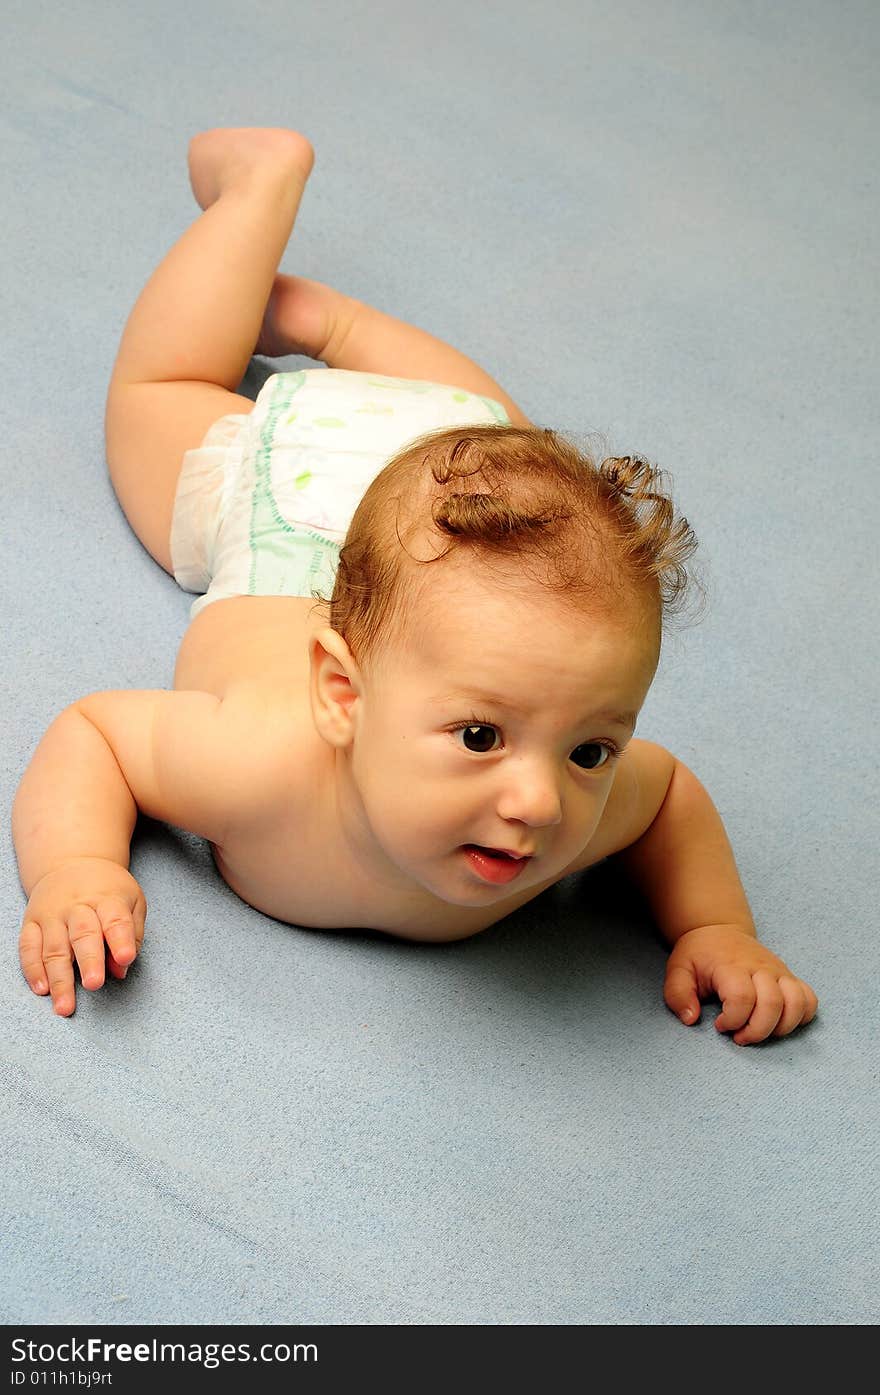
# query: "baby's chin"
{"type": "Point", "coordinates": [454, 885]}
{"type": "Point", "coordinates": [484, 896]}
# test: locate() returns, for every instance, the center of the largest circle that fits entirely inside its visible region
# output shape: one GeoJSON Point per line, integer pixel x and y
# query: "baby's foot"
{"type": "Point", "coordinates": [217, 158]}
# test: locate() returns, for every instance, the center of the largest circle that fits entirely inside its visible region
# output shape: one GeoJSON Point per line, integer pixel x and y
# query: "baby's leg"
{"type": "Point", "coordinates": [190, 336]}
{"type": "Point", "coordinates": [307, 317]}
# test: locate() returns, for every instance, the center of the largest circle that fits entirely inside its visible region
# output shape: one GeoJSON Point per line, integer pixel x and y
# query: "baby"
{"type": "Point", "coordinates": [449, 730]}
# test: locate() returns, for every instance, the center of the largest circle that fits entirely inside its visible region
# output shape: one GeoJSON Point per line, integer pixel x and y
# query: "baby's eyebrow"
{"type": "Point", "coordinates": [618, 719]}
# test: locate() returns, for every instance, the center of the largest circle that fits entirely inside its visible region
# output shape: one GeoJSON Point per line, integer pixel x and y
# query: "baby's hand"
{"type": "Point", "coordinates": [73, 913]}
{"type": "Point", "coordinates": [760, 996]}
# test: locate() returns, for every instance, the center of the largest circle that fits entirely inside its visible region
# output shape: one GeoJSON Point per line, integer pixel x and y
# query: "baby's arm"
{"type": "Point", "coordinates": [684, 866]}
{"type": "Point", "coordinates": [101, 761]}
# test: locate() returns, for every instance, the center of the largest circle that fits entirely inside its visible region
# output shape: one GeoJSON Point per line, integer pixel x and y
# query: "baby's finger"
{"type": "Point", "coordinates": [119, 930]}
{"type": "Point", "coordinates": [737, 993]}
{"type": "Point", "coordinates": [794, 1006]}
{"type": "Point", "coordinates": [30, 956]}
{"type": "Point", "coordinates": [87, 941]}
{"type": "Point", "coordinates": [58, 959]}
{"type": "Point", "coordinates": [812, 1003]}
{"type": "Point", "coordinates": [769, 1005]}
{"type": "Point", "coordinates": [680, 993]}
{"type": "Point", "coordinates": [116, 970]}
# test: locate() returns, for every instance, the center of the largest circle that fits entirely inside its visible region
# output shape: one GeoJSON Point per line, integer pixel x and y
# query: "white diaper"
{"type": "Point", "coordinates": [264, 504]}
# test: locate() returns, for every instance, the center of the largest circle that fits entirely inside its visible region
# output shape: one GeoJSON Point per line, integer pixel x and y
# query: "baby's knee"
{"type": "Point", "coordinates": [307, 317]}
{"type": "Point", "coordinates": [341, 315]}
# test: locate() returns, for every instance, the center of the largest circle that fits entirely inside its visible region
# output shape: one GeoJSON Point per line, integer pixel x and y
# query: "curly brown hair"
{"type": "Point", "coordinates": [590, 533]}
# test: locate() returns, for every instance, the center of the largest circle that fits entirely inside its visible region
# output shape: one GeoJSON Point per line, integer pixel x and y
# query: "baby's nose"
{"type": "Point", "coordinates": [531, 796]}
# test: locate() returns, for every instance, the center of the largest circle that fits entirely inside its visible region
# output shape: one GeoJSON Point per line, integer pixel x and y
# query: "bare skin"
{"type": "Point", "coordinates": [332, 795]}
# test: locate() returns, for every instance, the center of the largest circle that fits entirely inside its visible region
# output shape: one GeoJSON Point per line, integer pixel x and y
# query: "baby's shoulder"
{"type": "Point", "coordinates": [252, 652]}
{"type": "Point", "coordinates": [269, 735]}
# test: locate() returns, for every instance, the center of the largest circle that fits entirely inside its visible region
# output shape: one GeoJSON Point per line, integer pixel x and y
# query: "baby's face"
{"type": "Point", "coordinates": [496, 729]}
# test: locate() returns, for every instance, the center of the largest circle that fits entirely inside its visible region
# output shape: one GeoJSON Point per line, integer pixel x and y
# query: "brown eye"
{"type": "Point", "coordinates": [591, 755]}
{"type": "Point", "coordinates": [479, 739]}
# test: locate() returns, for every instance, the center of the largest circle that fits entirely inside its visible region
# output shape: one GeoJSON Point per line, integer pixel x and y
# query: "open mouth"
{"type": "Point", "coordinates": [491, 865]}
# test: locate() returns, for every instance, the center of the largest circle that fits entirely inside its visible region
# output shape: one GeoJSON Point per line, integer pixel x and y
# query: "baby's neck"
{"type": "Point", "coordinates": [366, 856]}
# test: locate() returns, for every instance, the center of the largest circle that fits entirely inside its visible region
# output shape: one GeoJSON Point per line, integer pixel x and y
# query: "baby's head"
{"type": "Point", "coordinates": [518, 505]}
{"type": "Point", "coordinates": [495, 627]}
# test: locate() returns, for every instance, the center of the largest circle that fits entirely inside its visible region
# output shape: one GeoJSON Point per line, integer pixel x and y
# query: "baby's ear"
{"type": "Point", "coordinates": [334, 687]}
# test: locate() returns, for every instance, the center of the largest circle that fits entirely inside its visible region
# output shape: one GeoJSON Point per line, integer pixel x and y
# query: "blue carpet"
{"type": "Point", "coordinates": [655, 222]}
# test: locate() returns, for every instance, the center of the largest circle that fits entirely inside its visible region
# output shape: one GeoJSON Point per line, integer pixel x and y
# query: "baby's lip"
{"type": "Point", "coordinates": [508, 852]}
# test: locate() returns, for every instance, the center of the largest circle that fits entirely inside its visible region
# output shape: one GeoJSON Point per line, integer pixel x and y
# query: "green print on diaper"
{"type": "Point", "coordinates": [295, 560]}
{"type": "Point", "coordinates": [285, 561]}
{"type": "Point", "coordinates": [497, 410]}
{"type": "Point", "coordinates": [403, 385]}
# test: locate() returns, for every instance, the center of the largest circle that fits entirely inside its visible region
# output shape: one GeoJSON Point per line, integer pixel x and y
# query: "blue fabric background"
{"type": "Point", "coordinates": [655, 222]}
